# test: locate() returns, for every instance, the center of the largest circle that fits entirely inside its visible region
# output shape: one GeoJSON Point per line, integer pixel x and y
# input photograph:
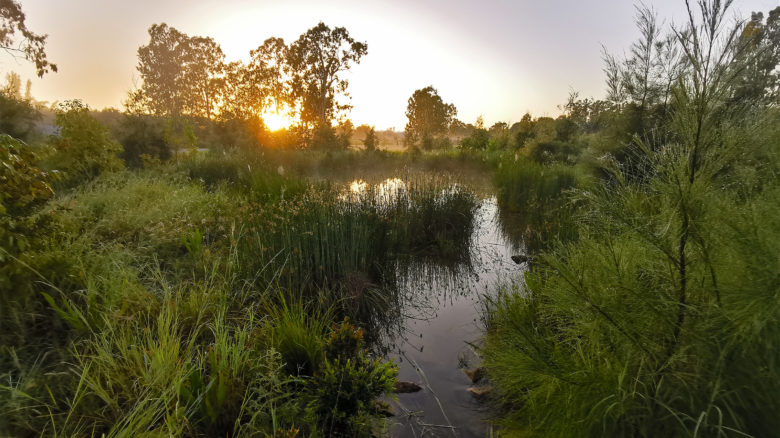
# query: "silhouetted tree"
{"type": "Point", "coordinates": [180, 74]}
{"type": "Point", "coordinates": [248, 90]}
{"type": "Point", "coordinates": [428, 116]}
{"type": "Point", "coordinates": [316, 62]}
{"type": "Point", "coordinates": [370, 141]}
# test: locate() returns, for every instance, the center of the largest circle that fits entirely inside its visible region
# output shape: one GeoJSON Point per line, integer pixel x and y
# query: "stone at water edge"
{"type": "Point", "coordinates": [479, 392]}
{"type": "Point", "coordinates": [383, 408]}
{"type": "Point", "coordinates": [520, 259]}
{"type": "Point", "coordinates": [406, 387]}
{"type": "Point", "coordinates": [474, 375]}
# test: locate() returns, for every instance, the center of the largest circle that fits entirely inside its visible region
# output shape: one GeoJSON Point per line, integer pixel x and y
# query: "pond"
{"type": "Point", "coordinates": [437, 334]}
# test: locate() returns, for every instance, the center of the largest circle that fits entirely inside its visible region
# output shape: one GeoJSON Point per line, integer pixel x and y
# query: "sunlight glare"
{"type": "Point", "coordinates": [276, 121]}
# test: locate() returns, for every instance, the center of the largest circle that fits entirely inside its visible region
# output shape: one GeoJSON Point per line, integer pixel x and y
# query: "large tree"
{"type": "Point", "coordinates": [427, 115]}
{"type": "Point", "coordinates": [18, 40]}
{"type": "Point", "coordinates": [180, 74]}
{"type": "Point", "coordinates": [251, 88]}
{"type": "Point", "coordinates": [315, 63]}
{"type": "Point", "coordinates": [758, 55]}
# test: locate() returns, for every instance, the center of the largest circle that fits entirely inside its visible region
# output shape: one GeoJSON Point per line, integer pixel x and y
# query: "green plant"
{"type": "Point", "coordinates": [84, 148]}
{"type": "Point", "coordinates": [343, 391]}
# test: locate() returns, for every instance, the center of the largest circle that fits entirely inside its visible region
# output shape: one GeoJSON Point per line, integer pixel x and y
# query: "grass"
{"type": "Point", "coordinates": [198, 298]}
{"type": "Point", "coordinates": [536, 201]}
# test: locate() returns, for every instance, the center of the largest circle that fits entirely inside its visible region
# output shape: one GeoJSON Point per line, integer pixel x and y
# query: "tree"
{"type": "Point", "coordinates": [204, 63]}
{"type": "Point", "coordinates": [249, 89]}
{"type": "Point", "coordinates": [18, 115]}
{"type": "Point", "coordinates": [427, 115]}
{"type": "Point", "coordinates": [160, 64]}
{"type": "Point", "coordinates": [180, 74]}
{"type": "Point", "coordinates": [316, 62]}
{"type": "Point", "coordinates": [760, 56]}
{"type": "Point", "coordinates": [524, 130]}
{"type": "Point", "coordinates": [17, 40]}
{"type": "Point", "coordinates": [370, 141]}
{"type": "Point", "coordinates": [479, 137]}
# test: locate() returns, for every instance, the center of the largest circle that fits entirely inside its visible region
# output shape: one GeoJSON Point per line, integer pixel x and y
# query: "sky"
{"type": "Point", "coordinates": [494, 58]}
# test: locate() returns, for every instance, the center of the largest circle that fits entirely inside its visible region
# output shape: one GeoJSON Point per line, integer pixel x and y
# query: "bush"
{"type": "Point", "coordinates": [661, 320]}
{"type": "Point", "coordinates": [17, 117]}
{"type": "Point", "coordinates": [142, 135]}
{"type": "Point", "coordinates": [84, 148]}
{"type": "Point", "coordinates": [554, 152]}
{"type": "Point", "coordinates": [344, 390]}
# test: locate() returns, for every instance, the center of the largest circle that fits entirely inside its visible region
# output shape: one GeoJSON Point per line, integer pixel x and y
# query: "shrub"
{"type": "Point", "coordinates": [345, 388]}
{"type": "Point", "coordinates": [142, 135]}
{"type": "Point", "coordinates": [17, 117]}
{"type": "Point", "coordinates": [84, 147]}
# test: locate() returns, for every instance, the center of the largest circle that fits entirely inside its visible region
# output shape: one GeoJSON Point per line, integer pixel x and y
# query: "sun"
{"type": "Point", "coordinates": [276, 120]}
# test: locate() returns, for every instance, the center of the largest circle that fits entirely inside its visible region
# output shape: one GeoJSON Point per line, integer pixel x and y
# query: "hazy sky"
{"type": "Point", "coordinates": [496, 58]}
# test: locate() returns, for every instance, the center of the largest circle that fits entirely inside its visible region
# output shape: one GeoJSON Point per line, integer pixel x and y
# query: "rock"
{"type": "Point", "coordinates": [479, 392]}
{"type": "Point", "coordinates": [474, 375]}
{"type": "Point", "coordinates": [406, 387]}
{"type": "Point", "coordinates": [520, 259]}
{"type": "Point", "coordinates": [383, 408]}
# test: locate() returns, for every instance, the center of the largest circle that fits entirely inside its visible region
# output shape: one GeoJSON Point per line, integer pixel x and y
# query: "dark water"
{"type": "Point", "coordinates": [440, 330]}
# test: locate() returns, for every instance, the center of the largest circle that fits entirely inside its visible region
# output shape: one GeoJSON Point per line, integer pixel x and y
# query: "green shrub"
{"type": "Point", "coordinates": [142, 135]}
{"type": "Point", "coordinates": [17, 117]}
{"type": "Point", "coordinates": [84, 147]}
{"type": "Point", "coordinates": [659, 321]}
{"type": "Point", "coordinates": [344, 390]}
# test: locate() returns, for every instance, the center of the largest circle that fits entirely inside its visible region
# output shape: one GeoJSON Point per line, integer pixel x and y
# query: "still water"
{"type": "Point", "coordinates": [439, 330]}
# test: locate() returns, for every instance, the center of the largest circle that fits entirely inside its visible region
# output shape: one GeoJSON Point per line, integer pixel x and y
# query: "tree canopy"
{"type": "Point", "coordinates": [316, 61]}
{"type": "Point", "coordinates": [179, 74]}
{"type": "Point", "coordinates": [427, 115]}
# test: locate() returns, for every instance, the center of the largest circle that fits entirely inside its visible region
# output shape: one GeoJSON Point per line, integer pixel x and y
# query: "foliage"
{"type": "Point", "coordinates": [478, 139]}
{"type": "Point", "coordinates": [759, 42]}
{"type": "Point", "coordinates": [649, 323]}
{"type": "Point", "coordinates": [23, 185]}
{"type": "Point", "coordinates": [179, 136]}
{"type": "Point", "coordinates": [349, 381]}
{"type": "Point", "coordinates": [370, 142]}
{"type": "Point", "coordinates": [428, 116]}
{"type": "Point", "coordinates": [16, 38]}
{"type": "Point", "coordinates": [179, 74]}
{"type": "Point", "coordinates": [249, 89]}
{"type": "Point", "coordinates": [18, 116]}
{"type": "Point", "coordinates": [84, 147]}
{"type": "Point", "coordinates": [142, 135]}
{"type": "Point", "coordinates": [317, 60]}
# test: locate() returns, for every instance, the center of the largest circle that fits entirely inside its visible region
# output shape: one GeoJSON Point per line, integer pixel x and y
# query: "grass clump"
{"type": "Point", "coordinates": [535, 200]}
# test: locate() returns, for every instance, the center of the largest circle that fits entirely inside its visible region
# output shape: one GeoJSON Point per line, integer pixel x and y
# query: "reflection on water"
{"type": "Point", "coordinates": [387, 192]}
{"type": "Point", "coordinates": [427, 317]}
{"type": "Point", "coordinates": [358, 187]}
{"type": "Point", "coordinates": [441, 328]}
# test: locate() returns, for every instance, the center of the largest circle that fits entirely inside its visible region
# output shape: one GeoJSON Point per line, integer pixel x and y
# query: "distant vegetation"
{"type": "Point", "coordinates": [179, 269]}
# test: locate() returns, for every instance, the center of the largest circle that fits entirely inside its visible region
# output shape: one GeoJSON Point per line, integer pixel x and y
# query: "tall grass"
{"type": "Point", "coordinates": [323, 237]}
{"type": "Point", "coordinates": [535, 201]}
{"type": "Point", "coordinates": [181, 300]}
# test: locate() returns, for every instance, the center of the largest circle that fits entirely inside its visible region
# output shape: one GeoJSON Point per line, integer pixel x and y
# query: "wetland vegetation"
{"type": "Point", "coordinates": [180, 269]}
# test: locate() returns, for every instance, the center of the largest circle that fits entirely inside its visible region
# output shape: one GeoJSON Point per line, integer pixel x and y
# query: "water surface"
{"type": "Point", "coordinates": [439, 329]}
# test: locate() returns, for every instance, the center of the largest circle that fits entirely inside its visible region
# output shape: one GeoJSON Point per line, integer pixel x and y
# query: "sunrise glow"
{"type": "Point", "coordinates": [275, 120]}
